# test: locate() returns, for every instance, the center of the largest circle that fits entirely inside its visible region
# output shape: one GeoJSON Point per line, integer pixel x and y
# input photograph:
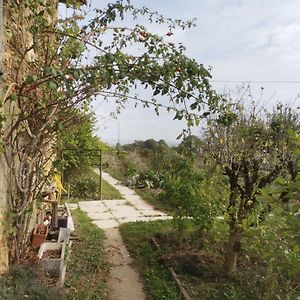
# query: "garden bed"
{"type": "Point", "coordinates": [197, 259]}
{"type": "Point", "coordinates": [51, 257]}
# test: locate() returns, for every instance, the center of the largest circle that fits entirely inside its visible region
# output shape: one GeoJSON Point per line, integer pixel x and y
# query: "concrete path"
{"type": "Point", "coordinates": [124, 281]}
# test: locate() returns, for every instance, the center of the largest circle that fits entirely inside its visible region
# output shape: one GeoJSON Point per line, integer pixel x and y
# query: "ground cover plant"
{"type": "Point", "coordinates": [87, 268]}
{"type": "Point", "coordinates": [27, 282]}
{"type": "Point", "coordinates": [263, 271]}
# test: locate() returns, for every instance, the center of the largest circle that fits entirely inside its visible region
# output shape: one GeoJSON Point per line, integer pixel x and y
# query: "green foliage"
{"type": "Point", "coordinates": [291, 189]}
{"type": "Point", "coordinates": [74, 143]}
{"type": "Point", "coordinates": [252, 151]}
{"type": "Point", "coordinates": [84, 185]}
{"type": "Point", "coordinates": [265, 269]}
{"type": "Point", "coordinates": [193, 193]}
{"type": "Point", "coordinates": [147, 179]}
{"type": "Point", "coordinates": [190, 146]}
{"type": "Point", "coordinates": [157, 279]}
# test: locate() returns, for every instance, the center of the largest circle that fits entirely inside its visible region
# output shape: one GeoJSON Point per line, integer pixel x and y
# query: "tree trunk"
{"type": "Point", "coordinates": [233, 248]}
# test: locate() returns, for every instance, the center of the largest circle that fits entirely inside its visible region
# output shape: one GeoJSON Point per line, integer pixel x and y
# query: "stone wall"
{"type": "Point", "coordinates": [3, 202]}
{"type": "Point", "coordinates": [14, 36]}
{"type": "Point", "coordinates": [3, 181]}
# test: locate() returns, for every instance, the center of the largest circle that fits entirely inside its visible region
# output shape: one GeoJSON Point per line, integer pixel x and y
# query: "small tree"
{"type": "Point", "coordinates": [49, 79]}
{"type": "Point", "coordinates": [193, 193]}
{"type": "Point", "coordinates": [252, 156]}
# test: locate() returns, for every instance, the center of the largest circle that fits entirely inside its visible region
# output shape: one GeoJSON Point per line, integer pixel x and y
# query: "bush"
{"type": "Point", "coordinates": [147, 179]}
{"type": "Point", "coordinates": [193, 193]}
{"type": "Point", "coordinates": [85, 187]}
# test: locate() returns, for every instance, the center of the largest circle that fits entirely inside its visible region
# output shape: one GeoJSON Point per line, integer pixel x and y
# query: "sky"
{"type": "Point", "coordinates": [255, 43]}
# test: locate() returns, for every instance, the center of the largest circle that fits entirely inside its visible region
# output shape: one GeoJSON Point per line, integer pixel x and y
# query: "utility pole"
{"type": "Point", "coordinates": [118, 144]}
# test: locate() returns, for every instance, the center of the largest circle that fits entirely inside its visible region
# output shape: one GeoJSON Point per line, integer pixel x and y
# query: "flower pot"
{"type": "Point", "coordinates": [62, 221]}
{"type": "Point", "coordinates": [39, 235]}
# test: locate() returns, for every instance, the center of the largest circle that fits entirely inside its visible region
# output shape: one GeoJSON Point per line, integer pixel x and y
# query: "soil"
{"type": "Point", "coordinates": [52, 254]}
{"type": "Point", "coordinates": [41, 229]}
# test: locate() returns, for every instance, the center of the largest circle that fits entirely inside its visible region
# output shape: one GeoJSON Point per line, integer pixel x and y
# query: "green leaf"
{"type": "Point", "coordinates": [31, 79]}
{"type": "Point", "coordinates": [52, 85]}
{"type": "Point", "coordinates": [13, 97]}
{"type": "Point", "coordinates": [47, 71]}
{"type": "Point", "coordinates": [156, 92]}
{"type": "Point", "coordinates": [76, 75]}
{"type": "Point", "coordinates": [194, 105]}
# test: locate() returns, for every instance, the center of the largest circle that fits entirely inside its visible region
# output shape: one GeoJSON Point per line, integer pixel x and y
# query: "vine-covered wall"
{"type": "Point", "coordinates": [15, 38]}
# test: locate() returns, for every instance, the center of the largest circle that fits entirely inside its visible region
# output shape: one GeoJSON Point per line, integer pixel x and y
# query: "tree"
{"type": "Point", "coordinates": [50, 79]}
{"type": "Point", "coordinates": [284, 122]}
{"type": "Point", "coordinates": [80, 137]}
{"type": "Point", "coordinates": [252, 155]}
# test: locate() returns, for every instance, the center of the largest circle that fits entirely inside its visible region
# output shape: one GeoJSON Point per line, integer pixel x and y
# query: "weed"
{"type": "Point", "coordinates": [27, 282]}
{"type": "Point", "coordinates": [87, 268]}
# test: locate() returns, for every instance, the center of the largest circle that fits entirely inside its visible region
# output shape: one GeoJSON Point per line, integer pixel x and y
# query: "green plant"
{"type": "Point", "coordinates": [49, 85]}
{"type": "Point", "coordinates": [26, 282]}
{"type": "Point", "coordinates": [265, 269]}
{"type": "Point", "coordinates": [193, 193]}
{"type": "Point", "coordinates": [87, 268]}
{"type": "Point", "coordinates": [147, 179]}
{"type": "Point", "coordinates": [84, 183]}
{"type": "Point", "coordinates": [252, 154]}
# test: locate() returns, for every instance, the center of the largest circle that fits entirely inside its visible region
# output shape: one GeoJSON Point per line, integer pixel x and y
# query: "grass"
{"type": "Point", "coordinates": [157, 279]}
{"type": "Point", "coordinates": [84, 186]}
{"type": "Point", "coordinates": [27, 282]}
{"type": "Point", "coordinates": [87, 268]}
{"type": "Point", "coordinates": [264, 271]}
{"type": "Point", "coordinates": [109, 192]}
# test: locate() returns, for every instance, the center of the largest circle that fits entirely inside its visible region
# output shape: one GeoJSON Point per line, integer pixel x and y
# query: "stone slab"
{"type": "Point", "coordinates": [100, 216]}
{"type": "Point", "coordinates": [73, 205]}
{"type": "Point", "coordinates": [134, 219]}
{"type": "Point", "coordinates": [126, 213]}
{"type": "Point", "coordinates": [106, 223]}
{"type": "Point", "coordinates": [115, 203]}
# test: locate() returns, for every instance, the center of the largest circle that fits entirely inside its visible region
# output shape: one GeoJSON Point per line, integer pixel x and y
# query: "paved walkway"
{"type": "Point", "coordinates": [112, 213]}
{"type": "Point", "coordinates": [124, 281]}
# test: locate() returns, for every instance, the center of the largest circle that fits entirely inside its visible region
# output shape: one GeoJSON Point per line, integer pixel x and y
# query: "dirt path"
{"type": "Point", "coordinates": [124, 281]}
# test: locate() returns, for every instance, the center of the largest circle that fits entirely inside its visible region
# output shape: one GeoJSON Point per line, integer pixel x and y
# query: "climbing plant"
{"type": "Point", "coordinates": [55, 67]}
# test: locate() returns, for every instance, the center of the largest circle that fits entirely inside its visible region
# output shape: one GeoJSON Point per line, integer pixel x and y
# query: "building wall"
{"type": "Point", "coordinates": [14, 36]}
{"type": "Point", "coordinates": [3, 168]}
{"type": "Point", "coordinates": [3, 206]}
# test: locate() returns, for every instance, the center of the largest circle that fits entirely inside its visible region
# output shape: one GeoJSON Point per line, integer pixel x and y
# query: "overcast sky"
{"type": "Point", "coordinates": [242, 40]}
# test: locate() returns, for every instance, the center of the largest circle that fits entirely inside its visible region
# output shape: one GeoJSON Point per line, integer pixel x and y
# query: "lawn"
{"type": "Point", "coordinates": [109, 192]}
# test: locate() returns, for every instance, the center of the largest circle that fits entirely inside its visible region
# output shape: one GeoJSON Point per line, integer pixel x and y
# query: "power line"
{"type": "Point", "coordinates": [257, 81]}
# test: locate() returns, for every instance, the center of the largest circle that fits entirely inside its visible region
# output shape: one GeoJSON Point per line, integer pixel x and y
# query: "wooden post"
{"type": "Point", "coordinates": [100, 175]}
{"type": "Point", "coordinates": [54, 203]}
